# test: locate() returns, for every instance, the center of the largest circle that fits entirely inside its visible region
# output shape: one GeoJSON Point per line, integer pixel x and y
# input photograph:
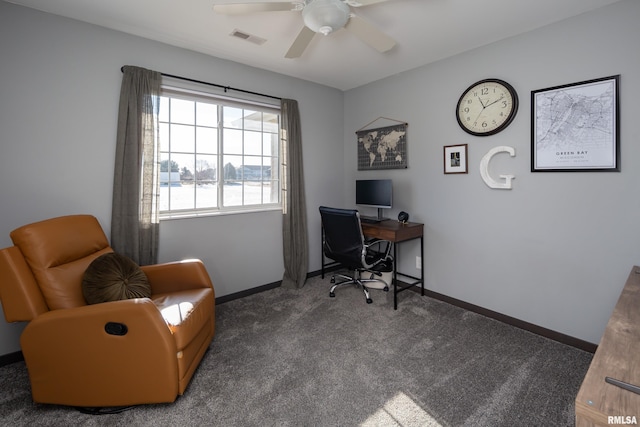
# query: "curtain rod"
{"type": "Point", "coordinates": [226, 88]}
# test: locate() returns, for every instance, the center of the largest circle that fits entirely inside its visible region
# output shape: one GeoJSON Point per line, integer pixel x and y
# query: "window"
{"type": "Point", "coordinates": [216, 154]}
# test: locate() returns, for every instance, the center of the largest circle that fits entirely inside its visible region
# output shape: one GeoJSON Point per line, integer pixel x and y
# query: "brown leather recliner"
{"type": "Point", "coordinates": [71, 356]}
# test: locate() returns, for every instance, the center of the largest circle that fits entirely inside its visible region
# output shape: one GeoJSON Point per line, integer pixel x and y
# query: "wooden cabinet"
{"type": "Point", "coordinates": [618, 357]}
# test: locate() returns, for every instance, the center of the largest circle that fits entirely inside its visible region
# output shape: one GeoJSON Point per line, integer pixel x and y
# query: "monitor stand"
{"type": "Point", "coordinates": [373, 219]}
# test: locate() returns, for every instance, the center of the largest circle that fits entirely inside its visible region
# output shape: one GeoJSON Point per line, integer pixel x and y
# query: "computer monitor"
{"type": "Point", "coordinates": [375, 193]}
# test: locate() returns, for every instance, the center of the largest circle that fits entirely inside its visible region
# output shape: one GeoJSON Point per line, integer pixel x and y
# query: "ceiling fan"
{"type": "Point", "coordinates": [319, 16]}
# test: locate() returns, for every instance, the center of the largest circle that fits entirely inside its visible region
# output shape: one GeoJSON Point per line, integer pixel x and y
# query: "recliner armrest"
{"type": "Point", "coordinates": [175, 276]}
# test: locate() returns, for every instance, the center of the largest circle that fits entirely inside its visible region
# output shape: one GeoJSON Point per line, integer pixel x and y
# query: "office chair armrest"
{"type": "Point", "coordinates": [380, 257]}
{"type": "Point", "coordinates": [387, 251]}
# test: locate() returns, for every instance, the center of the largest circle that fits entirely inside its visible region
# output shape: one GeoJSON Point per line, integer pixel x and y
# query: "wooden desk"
{"type": "Point", "coordinates": [397, 232]}
{"type": "Point", "coordinates": [617, 357]}
{"type": "Point", "coordinates": [393, 231]}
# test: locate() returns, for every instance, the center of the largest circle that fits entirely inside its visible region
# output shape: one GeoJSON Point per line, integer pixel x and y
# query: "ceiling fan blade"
{"type": "Point", "coordinates": [360, 3]}
{"type": "Point", "coordinates": [245, 8]}
{"type": "Point", "coordinates": [300, 43]}
{"type": "Point", "coordinates": [370, 34]}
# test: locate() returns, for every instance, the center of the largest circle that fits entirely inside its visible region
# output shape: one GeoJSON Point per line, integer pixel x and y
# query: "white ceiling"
{"type": "Point", "coordinates": [425, 30]}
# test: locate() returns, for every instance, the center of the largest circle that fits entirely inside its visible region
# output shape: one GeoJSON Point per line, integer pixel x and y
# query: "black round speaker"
{"type": "Point", "coordinates": [403, 216]}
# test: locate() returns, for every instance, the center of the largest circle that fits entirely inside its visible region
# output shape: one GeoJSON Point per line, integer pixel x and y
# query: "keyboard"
{"type": "Point", "coordinates": [369, 219]}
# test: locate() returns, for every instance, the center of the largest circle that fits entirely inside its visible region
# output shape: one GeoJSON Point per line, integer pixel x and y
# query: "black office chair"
{"type": "Point", "coordinates": [343, 242]}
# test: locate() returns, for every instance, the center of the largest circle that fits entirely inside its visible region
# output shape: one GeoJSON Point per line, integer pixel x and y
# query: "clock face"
{"type": "Point", "coordinates": [487, 107]}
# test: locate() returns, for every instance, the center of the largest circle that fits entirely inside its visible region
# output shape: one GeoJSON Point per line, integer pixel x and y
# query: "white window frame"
{"type": "Point", "coordinates": [166, 153]}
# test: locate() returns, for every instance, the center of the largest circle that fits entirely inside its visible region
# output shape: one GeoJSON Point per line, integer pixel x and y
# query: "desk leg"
{"type": "Point", "coordinates": [395, 273]}
{"type": "Point", "coordinates": [395, 276]}
{"type": "Point", "coordinates": [422, 265]}
{"type": "Point", "coordinates": [322, 250]}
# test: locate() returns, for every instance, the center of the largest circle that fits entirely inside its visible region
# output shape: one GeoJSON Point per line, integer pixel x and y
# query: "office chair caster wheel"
{"type": "Point", "coordinates": [369, 300]}
{"type": "Point", "coordinates": [332, 294]}
{"type": "Point", "coordinates": [386, 289]}
{"type": "Point", "coordinates": [333, 280]}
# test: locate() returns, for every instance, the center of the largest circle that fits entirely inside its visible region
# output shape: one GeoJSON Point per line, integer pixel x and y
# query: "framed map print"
{"type": "Point", "coordinates": [382, 148]}
{"type": "Point", "coordinates": [575, 127]}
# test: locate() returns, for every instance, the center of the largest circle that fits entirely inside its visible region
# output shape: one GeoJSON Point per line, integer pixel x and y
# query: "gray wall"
{"type": "Point", "coordinates": [59, 89]}
{"type": "Point", "coordinates": [557, 248]}
{"type": "Point", "coordinates": [554, 251]}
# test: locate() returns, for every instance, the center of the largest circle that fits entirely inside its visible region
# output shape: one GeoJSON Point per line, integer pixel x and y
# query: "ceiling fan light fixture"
{"type": "Point", "coordinates": [325, 30]}
{"type": "Point", "coordinates": [325, 16]}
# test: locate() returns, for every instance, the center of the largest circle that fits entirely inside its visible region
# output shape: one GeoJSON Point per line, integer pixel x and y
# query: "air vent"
{"type": "Point", "coordinates": [248, 37]}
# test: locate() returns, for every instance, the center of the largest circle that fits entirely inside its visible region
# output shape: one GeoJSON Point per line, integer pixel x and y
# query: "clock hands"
{"type": "Point", "coordinates": [490, 104]}
{"type": "Point", "coordinates": [497, 100]}
{"type": "Point", "coordinates": [484, 107]}
{"type": "Point", "coordinates": [481, 111]}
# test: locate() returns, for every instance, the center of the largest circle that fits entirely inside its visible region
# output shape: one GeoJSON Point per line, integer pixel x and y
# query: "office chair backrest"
{"type": "Point", "coordinates": [343, 239]}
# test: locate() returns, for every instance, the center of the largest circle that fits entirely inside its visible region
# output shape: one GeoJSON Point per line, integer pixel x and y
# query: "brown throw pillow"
{"type": "Point", "coordinates": [114, 277]}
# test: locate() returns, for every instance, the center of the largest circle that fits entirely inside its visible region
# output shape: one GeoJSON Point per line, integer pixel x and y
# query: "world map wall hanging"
{"type": "Point", "coordinates": [382, 148]}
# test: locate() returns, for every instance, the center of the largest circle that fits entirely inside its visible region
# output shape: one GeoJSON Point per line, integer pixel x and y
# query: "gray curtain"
{"type": "Point", "coordinates": [294, 218]}
{"type": "Point", "coordinates": [134, 215]}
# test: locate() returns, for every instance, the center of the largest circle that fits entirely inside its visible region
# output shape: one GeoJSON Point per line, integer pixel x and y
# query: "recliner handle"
{"type": "Point", "coordinates": [115, 328]}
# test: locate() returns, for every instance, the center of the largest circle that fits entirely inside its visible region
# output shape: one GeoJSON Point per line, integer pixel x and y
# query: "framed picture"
{"type": "Point", "coordinates": [575, 127]}
{"type": "Point", "coordinates": [455, 158]}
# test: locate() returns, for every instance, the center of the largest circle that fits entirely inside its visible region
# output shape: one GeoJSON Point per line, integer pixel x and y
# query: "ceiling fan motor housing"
{"type": "Point", "coordinates": [325, 16]}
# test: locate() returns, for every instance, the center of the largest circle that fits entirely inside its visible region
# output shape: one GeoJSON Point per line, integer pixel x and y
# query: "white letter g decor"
{"type": "Point", "coordinates": [484, 168]}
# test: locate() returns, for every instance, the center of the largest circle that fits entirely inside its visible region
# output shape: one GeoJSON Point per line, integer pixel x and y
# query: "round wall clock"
{"type": "Point", "coordinates": [487, 107]}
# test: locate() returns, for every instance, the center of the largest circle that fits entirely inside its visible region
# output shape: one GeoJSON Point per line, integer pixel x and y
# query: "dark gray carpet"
{"type": "Point", "coordinates": [299, 358]}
